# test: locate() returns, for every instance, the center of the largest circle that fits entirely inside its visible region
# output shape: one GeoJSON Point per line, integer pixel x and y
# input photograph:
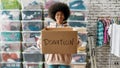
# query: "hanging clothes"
{"type": "Point", "coordinates": [106, 23]}
{"type": "Point", "coordinates": [100, 30]}
{"type": "Point", "coordinates": [114, 32]}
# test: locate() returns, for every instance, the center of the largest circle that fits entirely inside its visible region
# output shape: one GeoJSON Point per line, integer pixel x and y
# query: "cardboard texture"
{"type": "Point", "coordinates": [59, 41]}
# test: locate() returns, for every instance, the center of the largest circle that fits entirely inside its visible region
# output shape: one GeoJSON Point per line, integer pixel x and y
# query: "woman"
{"type": "Point", "coordinates": [59, 12]}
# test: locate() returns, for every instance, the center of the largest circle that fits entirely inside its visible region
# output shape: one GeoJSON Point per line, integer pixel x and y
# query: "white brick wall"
{"type": "Point", "coordinates": [99, 8]}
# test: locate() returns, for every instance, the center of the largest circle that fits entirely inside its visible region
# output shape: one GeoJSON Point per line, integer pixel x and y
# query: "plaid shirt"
{"type": "Point", "coordinates": [100, 33]}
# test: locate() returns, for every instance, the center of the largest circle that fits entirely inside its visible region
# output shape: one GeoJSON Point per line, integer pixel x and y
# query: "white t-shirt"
{"type": "Point", "coordinates": [114, 32]}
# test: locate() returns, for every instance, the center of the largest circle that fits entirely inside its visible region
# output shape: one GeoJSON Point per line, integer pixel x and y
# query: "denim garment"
{"type": "Point", "coordinates": [58, 66]}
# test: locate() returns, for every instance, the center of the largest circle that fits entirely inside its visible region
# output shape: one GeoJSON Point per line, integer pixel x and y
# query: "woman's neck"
{"type": "Point", "coordinates": [59, 23]}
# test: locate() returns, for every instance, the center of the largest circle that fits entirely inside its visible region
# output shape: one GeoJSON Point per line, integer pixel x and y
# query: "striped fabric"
{"type": "Point", "coordinates": [100, 33]}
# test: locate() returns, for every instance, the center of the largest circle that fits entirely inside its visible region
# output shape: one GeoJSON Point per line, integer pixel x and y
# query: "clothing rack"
{"type": "Point", "coordinates": [115, 20]}
{"type": "Point", "coordinates": [109, 17]}
{"type": "Point", "coordinates": [92, 51]}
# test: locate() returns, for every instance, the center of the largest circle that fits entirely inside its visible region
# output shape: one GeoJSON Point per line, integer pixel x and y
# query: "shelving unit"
{"type": "Point", "coordinates": [31, 26]}
{"type": "Point", "coordinates": [27, 19]}
{"type": "Point", "coordinates": [10, 34]}
{"type": "Point", "coordinates": [78, 20]}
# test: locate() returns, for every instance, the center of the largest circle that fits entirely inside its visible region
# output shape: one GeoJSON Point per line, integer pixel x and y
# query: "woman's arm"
{"type": "Point", "coordinates": [39, 42]}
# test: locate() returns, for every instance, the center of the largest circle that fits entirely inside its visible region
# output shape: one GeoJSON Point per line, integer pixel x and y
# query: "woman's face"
{"type": "Point", "coordinates": [59, 16]}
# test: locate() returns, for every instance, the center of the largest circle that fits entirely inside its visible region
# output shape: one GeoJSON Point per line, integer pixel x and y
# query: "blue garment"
{"type": "Point", "coordinates": [100, 35]}
{"type": "Point", "coordinates": [77, 4]}
{"type": "Point", "coordinates": [58, 66]}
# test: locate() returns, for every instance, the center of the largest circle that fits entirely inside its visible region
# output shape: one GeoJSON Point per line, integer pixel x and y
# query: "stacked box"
{"type": "Point", "coordinates": [10, 4]}
{"type": "Point", "coordinates": [77, 5]}
{"type": "Point", "coordinates": [9, 15]}
{"type": "Point", "coordinates": [77, 15]}
{"type": "Point", "coordinates": [10, 47]}
{"type": "Point", "coordinates": [0, 58]}
{"type": "Point", "coordinates": [10, 35]}
{"type": "Point", "coordinates": [30, 36]}
{"type": "Point", "coordinates": [10, 25]}
{"type": "Point", "coordinates": [32, 24]}
{"type": "Point", "coordinates": [31, 53]}
{"type": "Point", "coordinates": [10, 65]}
{"type": "Point", "coordinates": [77, 24]}
{"type": "Point", "coordinates": [31, 14]}
{"type": "Point", "coordinates": [32, 4]}
{"type": "Point", "coordinates": [78, 58]}
{"type": "Point", "coordinates": [10, 57]}
{"type": "Point", "coordinates": [32, 65]}
{"type": "Point", "coordinates": [47, 19]}
{"type": "Point", "coordinates": [32, 57]}
{"type": "Point", "coordinates": [30, 47]}
{"type": "Point", "coordinates": [78, 20]}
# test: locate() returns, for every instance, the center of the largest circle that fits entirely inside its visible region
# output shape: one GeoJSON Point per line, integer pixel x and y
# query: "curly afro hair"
{"type": "Point", "coordinates": [58, 6]}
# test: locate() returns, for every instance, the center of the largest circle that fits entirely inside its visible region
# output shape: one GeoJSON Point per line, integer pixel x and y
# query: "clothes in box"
{"type": "Point", "coordinates": [10, 47]}
{"type": "Point", "coordinates": [30, 36]}
{"type": "Point", "coordinates": [9, 14]}
{"type": "Point", "coordinates": [10, 65]}
{"type": "Point", "coordinates": [31, 4]}
{"type": "Point", "coordinates": [78, 58]}
{"type": "Point", "coordinates": [10, 56]}
{"type": "Point", "coordinates": [77, 4]}
{"type": "Point", "coordinates": [10, 4]}
{"type": "Point", "coordinates": [83, 37]}
{"type": "Point", "coordinates": [30, 47]}
{"type": "Point", "coordinates": [32, 65]}
{"type": "Point", "coordinates": [48, 3]}
{"type": "Point", "coordinates": [10, 25]}
{"type": "Point", "coordinates": [77, 15]}
{"type": "Point", "coordinates": [32, 57]}
{"type": "Point", "coordinates": [31, 25]}
{"type": "Point", "coordinates": [77, 24]}
{"type": "Point", "coordinates": [31, 14]}
{"type": "Point", "coordinates": [48, 20]}
{"type": "Point", "coordinates": [11, 36]}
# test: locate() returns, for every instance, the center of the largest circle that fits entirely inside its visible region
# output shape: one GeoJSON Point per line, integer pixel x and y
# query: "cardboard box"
{"type": "Point", "coordinates": [59, 40]}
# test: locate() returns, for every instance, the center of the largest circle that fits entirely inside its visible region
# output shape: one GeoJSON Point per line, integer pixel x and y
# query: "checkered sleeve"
{"type": "Point", "coordinates": [100, 35]}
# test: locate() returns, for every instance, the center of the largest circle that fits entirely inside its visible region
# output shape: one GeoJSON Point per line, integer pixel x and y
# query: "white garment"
{"type": "Point", "coordinates": [114, 32]}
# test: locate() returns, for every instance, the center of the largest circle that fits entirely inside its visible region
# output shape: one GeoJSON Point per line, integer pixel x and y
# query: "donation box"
{"type": "Point", "coordinates": [59, 41]}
